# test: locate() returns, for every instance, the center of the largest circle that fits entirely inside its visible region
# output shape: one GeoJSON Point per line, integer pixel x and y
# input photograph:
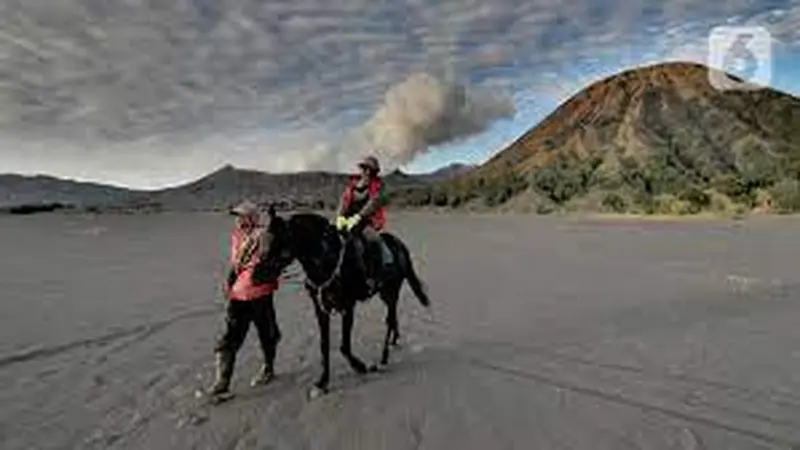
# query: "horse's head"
{"type": "Point", "coordinates": [310, 239]}
{"type": "Point", "coordinates": [302, 236]}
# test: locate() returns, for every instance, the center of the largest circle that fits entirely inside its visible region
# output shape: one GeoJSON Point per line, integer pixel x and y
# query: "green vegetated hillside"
{"type": "Point", "coordinates": [655, 140]}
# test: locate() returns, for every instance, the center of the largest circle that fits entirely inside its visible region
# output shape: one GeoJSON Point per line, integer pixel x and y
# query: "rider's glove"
{"type": "Point", "coordinates": [341, 223]}
{"type": "Point", "coordinates": [353, 222]}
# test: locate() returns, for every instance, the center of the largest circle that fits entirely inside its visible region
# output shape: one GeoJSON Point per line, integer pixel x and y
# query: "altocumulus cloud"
{"type": "Point", "coordinates": [137, 86]}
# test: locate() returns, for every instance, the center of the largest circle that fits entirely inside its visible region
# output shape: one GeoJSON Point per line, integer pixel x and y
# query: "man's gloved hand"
{"type": "Point", "coordinates": [341, 223]}
{"type": "Point", "coordinates": [353, 222]}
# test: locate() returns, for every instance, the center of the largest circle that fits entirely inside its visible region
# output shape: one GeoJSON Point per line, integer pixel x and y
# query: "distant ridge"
{"type": "Point", "coordinates": [214, 191]}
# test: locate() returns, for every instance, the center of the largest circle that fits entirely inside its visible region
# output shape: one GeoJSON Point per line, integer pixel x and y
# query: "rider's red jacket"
{"type": "Point", "coordinates": [375, 209]}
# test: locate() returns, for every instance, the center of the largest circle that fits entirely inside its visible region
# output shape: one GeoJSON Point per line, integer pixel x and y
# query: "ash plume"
{"type": "Point", "coordinates": [424, 111]}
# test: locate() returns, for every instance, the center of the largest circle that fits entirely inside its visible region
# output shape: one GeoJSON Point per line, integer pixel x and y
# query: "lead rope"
{"type": "Point", "coordinates": [336, 271]}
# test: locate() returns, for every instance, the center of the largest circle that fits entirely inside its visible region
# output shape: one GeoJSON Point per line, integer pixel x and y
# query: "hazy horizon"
{"type": "Point", "coordinates": [190, 180]}
{"type": "Point", "coordinates": [144, 96]}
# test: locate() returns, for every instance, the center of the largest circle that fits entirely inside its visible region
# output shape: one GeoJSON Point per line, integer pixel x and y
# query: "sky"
{"type": "Point", "coordinates": [150, 93]}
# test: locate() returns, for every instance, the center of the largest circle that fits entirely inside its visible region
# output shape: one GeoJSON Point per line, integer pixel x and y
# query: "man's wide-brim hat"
{"type": "Point", "coordinates": [245, 208]}
{"type": "Point", "coordinates": [370, 162]}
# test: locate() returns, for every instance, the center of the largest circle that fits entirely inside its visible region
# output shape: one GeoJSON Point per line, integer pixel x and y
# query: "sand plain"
{"type": "Point", "coordinates": [545, 333]}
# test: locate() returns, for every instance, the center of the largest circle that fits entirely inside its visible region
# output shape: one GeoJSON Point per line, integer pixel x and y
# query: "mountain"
{"type": "Point", "coordinates": [228, 185]}
{"type": "Point", "coordinates": [654, 139]}
{"type": "Point", "coordinates": [289, 190]}
{"type": "Point", "coordinates": [441, 174]}
{"type": "Point", "coordinates": [16, 190]}
{"type": "Point", "coordinates": [451, 171]}
{"type": "Point", "coordinates": [215, 191]}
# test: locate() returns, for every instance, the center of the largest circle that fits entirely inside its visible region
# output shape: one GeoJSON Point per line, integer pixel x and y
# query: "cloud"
{"type": "Point", "coordinates": [341, 74]}
{"type": "Point", "coordinates": [425, 111]}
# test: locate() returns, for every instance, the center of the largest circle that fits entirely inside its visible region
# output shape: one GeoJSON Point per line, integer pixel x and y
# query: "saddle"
{"type": "Point", "coordinates": [374, 259]}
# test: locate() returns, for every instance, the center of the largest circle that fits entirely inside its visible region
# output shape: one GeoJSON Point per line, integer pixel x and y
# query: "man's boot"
{"type": "Point", "coordinates": [266, 372]}
{"type": "Point", "coordinates": [263, 376]}
{"type": "Point", "coordinates": [224, 371]}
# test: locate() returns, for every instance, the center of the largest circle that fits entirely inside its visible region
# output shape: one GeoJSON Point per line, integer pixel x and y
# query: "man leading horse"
{"type": "Point", "coordinates": [249, 299]}
{"type": "Point", "coordinates": [362, 210]}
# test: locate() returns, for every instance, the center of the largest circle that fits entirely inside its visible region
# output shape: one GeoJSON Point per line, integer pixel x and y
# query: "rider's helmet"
{"type": "Point", "coordinates": [371, 163]}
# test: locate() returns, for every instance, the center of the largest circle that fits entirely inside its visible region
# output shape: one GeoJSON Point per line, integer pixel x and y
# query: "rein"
{"type": "Point", "coordinates": [319, 288]}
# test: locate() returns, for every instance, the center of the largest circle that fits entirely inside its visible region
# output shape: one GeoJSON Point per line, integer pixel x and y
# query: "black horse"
{"type": "Point", "coordinates": [335, 281]}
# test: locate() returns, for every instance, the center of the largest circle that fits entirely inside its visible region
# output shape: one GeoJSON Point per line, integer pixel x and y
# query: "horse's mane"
{"type": "Point", "coordinates": [318, 242]}
{"type": "Point", "coordinates": [315, 241]}
{"type": "Point", "coordinates": [308, 226]}
{"type": "Point", "coordinates": [310, 220]}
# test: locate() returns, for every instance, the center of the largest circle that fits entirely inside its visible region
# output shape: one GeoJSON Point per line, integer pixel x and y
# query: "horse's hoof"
{"type": "Point", "coordinates": [316, 392]}
{"type": "Point", "coordinates": [378, 368]}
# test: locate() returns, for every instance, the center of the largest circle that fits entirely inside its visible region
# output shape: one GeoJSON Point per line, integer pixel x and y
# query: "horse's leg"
{"type": "Point", "coordinates": [347, 331]}
{"type": "Point", "coordinates": [393, 291]}
{"type": "Point", "coordinates": [390, 296]}
{"type": "Point", "coordinates": [395, 326]}
{"type": "Point", "coordinates": [324, 322]}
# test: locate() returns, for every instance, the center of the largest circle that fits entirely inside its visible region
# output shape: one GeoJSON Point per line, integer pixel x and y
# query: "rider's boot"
{"type": "Point", "coordinates": [364, 261]}
{"type": "Point", "coordinates": [370, 281]}
{"type": "Point", "coordinates": [375, 263]}
{"type": "Point", "coordinates": [385, 255]}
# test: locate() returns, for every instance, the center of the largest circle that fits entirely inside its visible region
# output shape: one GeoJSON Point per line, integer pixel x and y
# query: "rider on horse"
{"type": "Point", "coordinates": [362, 207]}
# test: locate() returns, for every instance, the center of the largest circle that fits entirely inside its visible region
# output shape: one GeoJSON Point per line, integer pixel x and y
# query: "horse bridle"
{"type": "Point", "coordinates": [319, 288]}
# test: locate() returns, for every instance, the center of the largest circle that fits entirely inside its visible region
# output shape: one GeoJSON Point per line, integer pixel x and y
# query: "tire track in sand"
{"type": "Point", "coordinates": [621, 399]}
{"type": "Point", "coordinates": [145, 329]}
{"type": "Point", "coordinates": [617, 396]}
{"type": "Point", "coordinates": [291, 277]}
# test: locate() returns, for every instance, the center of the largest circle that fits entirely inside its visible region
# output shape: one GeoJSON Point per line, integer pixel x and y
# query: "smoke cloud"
{"type": "Point", "coordinates": [425, 111]}
{"type": "Point", "coordinates": [420, 112]}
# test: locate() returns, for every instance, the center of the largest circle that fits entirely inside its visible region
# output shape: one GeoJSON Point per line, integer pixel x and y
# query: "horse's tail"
{"type": "Point", "coordinates": [416, 284]}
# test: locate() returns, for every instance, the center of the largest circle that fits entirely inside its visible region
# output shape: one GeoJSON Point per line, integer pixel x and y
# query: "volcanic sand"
{"type": "Point", "coordinates": [544, 333]}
